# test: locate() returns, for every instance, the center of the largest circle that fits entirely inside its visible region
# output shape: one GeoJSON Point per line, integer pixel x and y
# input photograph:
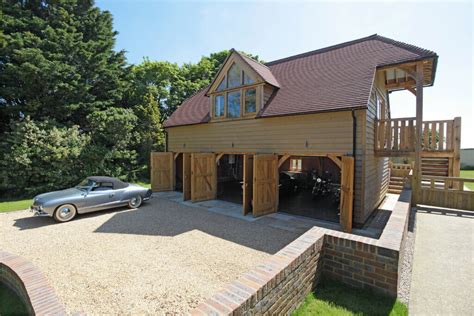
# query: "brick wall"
{"type": "Point", "coordinates": [29, 284]}
{"type": "Point", "coordinates": [361, 265]}
{"type": "Point", "coordinates": [280, 284]}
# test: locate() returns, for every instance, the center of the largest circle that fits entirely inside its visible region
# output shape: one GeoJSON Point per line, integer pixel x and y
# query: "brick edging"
{"type": "Point", "coordinates": [30, 284]}
{"type": "Point", "coordinates": [280, 283]}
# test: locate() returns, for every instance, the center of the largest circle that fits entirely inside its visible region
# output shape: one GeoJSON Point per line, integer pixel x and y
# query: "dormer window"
{"type": "Point", "coordinates": [233, 104]}
{"type": "Point", "coordinates": [239, 90]}
{"type": "Point", "coordinates": [234, 76]}
{"type": "Point", "coordinates": [250, 100]}
{"type": "Point", "coordinates": [219, 106]}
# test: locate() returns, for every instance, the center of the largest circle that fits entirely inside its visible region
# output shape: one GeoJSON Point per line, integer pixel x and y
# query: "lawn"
{"type": "Point", "coordinates": [14, 205]}
{"type": "Point", "coordinates": [332, 298]}
{"type": "Point", "coordinates": [143, 184]}
{"type": "Point", "coordinates": [468, 174]}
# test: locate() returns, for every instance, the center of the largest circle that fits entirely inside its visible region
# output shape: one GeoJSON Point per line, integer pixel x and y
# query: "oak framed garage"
{"type": "Point", "coordinates": [331, 103]}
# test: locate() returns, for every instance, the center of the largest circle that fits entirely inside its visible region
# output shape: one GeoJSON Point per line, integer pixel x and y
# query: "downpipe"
{"type": "Point", "coordinates": [354, 148]}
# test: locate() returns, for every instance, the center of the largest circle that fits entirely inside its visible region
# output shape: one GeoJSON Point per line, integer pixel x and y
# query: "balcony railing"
{"type": "Point", "coordinates": [397, 136]}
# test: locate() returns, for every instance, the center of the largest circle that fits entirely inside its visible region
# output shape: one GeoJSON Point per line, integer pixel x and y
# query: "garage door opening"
{"type": "Point", "coordinates": [178, 165]}
{"type": "Point", "coordinates": [310, 186]}
{"type": "Point", "coordinates": [230, 177]}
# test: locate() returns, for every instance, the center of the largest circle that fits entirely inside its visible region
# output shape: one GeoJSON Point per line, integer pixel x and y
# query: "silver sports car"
{"type": "Point", "coordinates": [92, 194]}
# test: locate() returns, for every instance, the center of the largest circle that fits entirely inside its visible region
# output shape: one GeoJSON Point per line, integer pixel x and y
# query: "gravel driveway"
{"type": "Point", "coordinates": [164, 257]}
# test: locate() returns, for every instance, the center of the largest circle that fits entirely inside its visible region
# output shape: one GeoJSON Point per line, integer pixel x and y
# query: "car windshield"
{"type": "Point", "coordinates": [85, 184]}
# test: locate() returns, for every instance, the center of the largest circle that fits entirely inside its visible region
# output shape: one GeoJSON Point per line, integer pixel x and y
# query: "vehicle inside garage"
{"type": "Point", "coordinates": [310, 186]}
{"type": "Point", "coordinates": [230, 178]}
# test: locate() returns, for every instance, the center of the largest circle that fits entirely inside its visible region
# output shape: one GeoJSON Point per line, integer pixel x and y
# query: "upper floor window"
{"type": "Point", "coordinates": [233, 104]}
{"type": "Point", "coordinates": [250, 101]}
{"type": "Point", "coordinates": [236, 95]}
{"type": "Point", "coordinates": [219, 106]}
{"type": "Point", "coordinates": [234, 76]}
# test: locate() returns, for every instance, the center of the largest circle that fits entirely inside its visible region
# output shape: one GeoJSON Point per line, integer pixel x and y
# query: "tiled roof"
{"type": "Point", "coordinates": [261, 69]}
{"type": "Point", "coordinates": [330, 79]}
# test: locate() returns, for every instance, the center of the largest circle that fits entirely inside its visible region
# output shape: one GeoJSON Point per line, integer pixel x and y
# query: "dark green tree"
{"type": "Point", "coordinates": [57, 61]}
{"type": "Point", "coordinates": [113, 139]}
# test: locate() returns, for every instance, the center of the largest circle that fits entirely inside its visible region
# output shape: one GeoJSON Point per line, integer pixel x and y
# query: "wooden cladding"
{"type": "Point", "coordinates": [446, 192]}
{"type": "Point", "coordinates": [398, 135]}
{"type": "Point", "coordinates": [162, 171]}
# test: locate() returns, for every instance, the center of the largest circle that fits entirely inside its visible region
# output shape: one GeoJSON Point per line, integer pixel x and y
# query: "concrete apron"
{"type": "Point", "coordinates": [443, 264]}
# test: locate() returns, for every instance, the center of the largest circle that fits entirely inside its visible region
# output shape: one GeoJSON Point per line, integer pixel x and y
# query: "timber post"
{"type": "Point", "coordinates": [456, 165]}
{"type": "Point", "coordinates": [419, 122]}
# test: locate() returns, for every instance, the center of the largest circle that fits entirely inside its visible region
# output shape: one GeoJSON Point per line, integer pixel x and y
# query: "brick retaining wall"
{"type": "Point", "coordinates": [30, 285]}
{"type": "Point", "coordinates": [280, 284]}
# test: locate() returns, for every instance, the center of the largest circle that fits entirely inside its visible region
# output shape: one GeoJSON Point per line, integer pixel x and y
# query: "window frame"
{"type": "Point", "coordinates": [240, 104]}
{"type": "Point", "coordinates": [244, 94]}
{"type": "Point", "coordinates": [299, 164]}
{"type": "Point", "coordinates": [224, 95]}
{"type": "Point", "coordinates": [257, 84]}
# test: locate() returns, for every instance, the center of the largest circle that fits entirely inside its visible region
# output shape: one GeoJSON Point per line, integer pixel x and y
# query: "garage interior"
{"type": "Point", "coordinates": [178, 164]}
{"type": "Point", "coordinates": [230, 178]}
{"type": "Point", "coordinates": [300, 191]}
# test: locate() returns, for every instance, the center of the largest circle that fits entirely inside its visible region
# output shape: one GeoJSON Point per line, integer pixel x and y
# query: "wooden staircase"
{"type": "Point", "coordinates": [395, 185]}
{"type": "Point", "coordinates": [435, 167]}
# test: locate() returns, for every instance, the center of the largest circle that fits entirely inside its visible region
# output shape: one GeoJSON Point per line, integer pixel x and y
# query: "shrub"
{"type": "Point", "coordinates": [38, 157]}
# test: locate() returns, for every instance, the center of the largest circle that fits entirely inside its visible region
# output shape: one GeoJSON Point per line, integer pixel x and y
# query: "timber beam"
{"type": "Point", "coordinates": [282, 160]}
{"type": "Point", "coordinates": [219, 156]}
{"type": "Point", "coordinates": [336, 160]}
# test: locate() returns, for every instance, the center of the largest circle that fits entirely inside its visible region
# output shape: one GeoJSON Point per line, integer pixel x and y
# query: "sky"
{"type": "Point", "coordinates": [184, 31]}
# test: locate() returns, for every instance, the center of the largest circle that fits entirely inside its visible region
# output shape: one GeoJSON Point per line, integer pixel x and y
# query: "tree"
{"type": "Point", "coordinates": [150, 130]}
{"type": "Point", "coordinates": [113, 137]}
{"type": "Point", "coordinates": [57, 61]}
{"type": "Point", "coordinates": [38, 156]}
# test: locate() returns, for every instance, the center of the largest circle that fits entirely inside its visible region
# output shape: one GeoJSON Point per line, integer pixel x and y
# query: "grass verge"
{"type": "Point", "coordinates": [468, 174]}
{"type": "Point", "coordinates": [14, 205]}
{"type": "Point", "coordinates": [335, 299]}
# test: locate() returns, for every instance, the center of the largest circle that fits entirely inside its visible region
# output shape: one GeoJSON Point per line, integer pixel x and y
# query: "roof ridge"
{"type": "Point", "coordinates": [321, 50]}
{"type": "Point", "coordinates": [251, 59]}
{"type": "Point", "coordinates": [412, 48]}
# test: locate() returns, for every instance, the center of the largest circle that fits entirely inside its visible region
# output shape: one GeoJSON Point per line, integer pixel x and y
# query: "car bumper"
{"type": "Point", "coordinates": [148, 195]}
{"type": "Point", "coordinates": [38, 211]}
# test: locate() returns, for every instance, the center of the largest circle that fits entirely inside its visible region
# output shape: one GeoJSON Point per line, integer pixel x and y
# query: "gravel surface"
{"type": "Point", "coordinates": [164, 257]}
{"type": "Point", "coordinates": [407, 261]}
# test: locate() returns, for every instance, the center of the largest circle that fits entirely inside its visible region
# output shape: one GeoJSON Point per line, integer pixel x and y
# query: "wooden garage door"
{"type": "Point", "coordinates": [162, 171]}
{"type": "Point", "coordinates": [347, 192]}
{"type": "Point", "coordinates": [203, 176]}
{"type": "Point", "coordinates": [265, 184]}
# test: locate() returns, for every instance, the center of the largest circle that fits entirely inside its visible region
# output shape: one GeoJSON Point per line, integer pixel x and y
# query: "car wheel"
{"type": "Point", "coordinates": [65, 213]}
{"type": "Point", "coordinates": [135, 202]}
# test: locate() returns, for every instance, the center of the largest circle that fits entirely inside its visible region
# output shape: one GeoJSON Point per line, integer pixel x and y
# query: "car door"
{"type": "Point", "coordinates": [101, 196]}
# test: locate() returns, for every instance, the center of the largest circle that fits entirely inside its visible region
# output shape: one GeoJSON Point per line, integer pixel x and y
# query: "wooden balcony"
{"type": "Point", "coordinates": [397, 137]}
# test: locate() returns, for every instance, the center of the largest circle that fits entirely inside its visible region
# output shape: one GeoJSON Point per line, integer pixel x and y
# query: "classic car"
{"type": "Point", "coordinates": [288, 183]}
{"type": "Point", "coordinates": [92, 194]}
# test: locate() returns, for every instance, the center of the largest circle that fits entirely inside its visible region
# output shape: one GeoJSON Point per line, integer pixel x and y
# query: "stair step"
{"type": "Point", "coordinates": [396, 181]}
{"type": "Point", "coordinates": [394, 191]}
{"type": "Point", "coordinates": [397, 178]}
{"type": "Point", "coordinates": [396, 187]}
